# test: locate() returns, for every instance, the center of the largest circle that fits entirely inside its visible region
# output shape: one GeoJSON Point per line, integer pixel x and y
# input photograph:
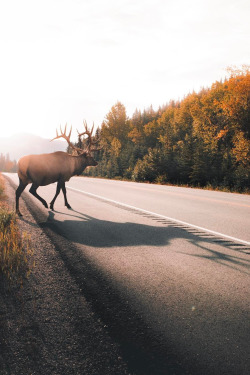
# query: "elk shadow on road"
{"type": "Point", "coordinates": [90, 231]}
{"type": "Point", "coordinates": [145, 352]}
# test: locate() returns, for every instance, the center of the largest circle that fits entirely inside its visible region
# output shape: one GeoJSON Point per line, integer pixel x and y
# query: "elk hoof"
{"type": "Point", "coordinates": [45, 204]}
{"type": "Point", "coordinates": [68, 206]}
{"type": "Point", "coordinates": [19, 213]}
{"type": "Point", "coordinates": [51, 206]}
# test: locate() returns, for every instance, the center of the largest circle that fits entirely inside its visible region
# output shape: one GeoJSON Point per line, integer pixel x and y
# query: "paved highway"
{"type": "Point", "coordinates": [167, 270]}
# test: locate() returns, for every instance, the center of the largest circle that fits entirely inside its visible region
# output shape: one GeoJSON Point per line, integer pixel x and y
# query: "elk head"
{"type": "Point", "coordinates": [86, 148]}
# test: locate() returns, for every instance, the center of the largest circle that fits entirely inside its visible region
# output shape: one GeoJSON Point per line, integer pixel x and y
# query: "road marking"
{"type": "Point", "coordinates": [193, 197]}
{"type": "Point", "coordinates": [161, 216]}
{"type": "Point", "coordinates": [182, 192]}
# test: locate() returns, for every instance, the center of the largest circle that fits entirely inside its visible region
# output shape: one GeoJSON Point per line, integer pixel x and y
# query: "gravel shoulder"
{"type": "Point", "coordinates": [48, 326]}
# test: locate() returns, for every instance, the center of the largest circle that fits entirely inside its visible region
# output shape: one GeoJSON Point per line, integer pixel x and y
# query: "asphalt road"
{"type": "Point", "coordinates": [165, 268]}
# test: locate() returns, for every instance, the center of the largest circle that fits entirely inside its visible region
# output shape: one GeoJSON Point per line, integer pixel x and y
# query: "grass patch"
{"type": "Point", "coordinates": [15, 248]}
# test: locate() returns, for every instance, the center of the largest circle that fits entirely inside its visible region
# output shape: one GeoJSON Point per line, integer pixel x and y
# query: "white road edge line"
{"type": "Point", "coordinates": [161, 216]}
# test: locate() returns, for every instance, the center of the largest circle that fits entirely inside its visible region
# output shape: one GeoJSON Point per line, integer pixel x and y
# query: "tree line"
{"type": "Point", "coordinates": [7, 165]}
{"type": "Point", "coordinates": [202, 140]}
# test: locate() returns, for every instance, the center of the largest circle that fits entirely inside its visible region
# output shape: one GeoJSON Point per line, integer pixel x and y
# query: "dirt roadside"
{"type": "Point", "coordinates": [48, 327]}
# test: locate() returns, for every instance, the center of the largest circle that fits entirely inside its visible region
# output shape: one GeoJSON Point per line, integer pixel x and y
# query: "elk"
{"type": "Point", "coordinates": [45, 169]}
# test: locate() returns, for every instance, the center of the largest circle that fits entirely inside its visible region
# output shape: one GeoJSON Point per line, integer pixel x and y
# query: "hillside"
{"type": "Point", "coordinates": [202, 140]}
{"type": "Point", "coordinates": [24, 143]}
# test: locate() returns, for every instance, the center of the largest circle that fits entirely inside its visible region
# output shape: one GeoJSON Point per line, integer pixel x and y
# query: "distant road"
{"type": "Point", "coordinates": [167, 270]}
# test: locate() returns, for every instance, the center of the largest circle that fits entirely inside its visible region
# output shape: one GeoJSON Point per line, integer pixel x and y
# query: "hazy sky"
{"type": "Point", "coordinates": [68, 60]}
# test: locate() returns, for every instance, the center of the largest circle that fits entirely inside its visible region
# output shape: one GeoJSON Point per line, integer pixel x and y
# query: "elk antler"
{"type": "Point", "coordinates": [67, 137]}
{"type": "Point", "coordinates": [89, 134]}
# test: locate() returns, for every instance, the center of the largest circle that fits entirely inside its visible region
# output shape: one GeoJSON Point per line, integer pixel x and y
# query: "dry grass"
{"type": "Point", "coordinates": [14, 247]}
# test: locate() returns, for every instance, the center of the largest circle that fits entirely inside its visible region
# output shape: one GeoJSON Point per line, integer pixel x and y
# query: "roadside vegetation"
{"type": "Point", "coordinates": [15, 248]}
{"type": "Point", "coordinates": [200, 141]}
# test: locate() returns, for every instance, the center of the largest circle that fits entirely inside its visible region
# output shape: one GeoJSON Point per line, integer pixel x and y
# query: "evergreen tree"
{"type": "Point", "coordinates": [203, 139]}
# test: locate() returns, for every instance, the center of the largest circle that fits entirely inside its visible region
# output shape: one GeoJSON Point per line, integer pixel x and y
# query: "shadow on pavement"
{"type": "Point", "coordinates": [90, 231]}
{"type": "Point", "coordinates": [145, 351]}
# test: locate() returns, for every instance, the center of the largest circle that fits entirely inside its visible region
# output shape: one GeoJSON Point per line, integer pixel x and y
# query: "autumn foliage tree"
{"type": "Point", "coordinates": [202, 140]}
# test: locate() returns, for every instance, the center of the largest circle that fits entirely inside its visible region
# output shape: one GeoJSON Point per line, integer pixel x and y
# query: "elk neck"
{"type": "Point", "coordinates": [80, 163]}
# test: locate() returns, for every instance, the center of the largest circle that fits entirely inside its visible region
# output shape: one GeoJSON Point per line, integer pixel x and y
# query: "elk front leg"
{"type": "Point", "coordinates": [19, 191]}
{"type": "Point", "coordinates": [65, 196]}
{"type": "Point", "coordinates": [33, 192]}
{"type": "Point", "coordinates": [58, 189]}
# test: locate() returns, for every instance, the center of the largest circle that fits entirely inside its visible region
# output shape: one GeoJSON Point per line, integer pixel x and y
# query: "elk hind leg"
{"type": "Point", "coordinates": [19, 191]}
{"type": "Point", "coordinates": [33, 192]}
{"type": "Point", "coordinates": [65, 196]}
{"type": "Point", "coordinates": [58, 189]}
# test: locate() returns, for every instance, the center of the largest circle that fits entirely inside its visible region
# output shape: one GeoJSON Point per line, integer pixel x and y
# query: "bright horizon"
{"type": "Point", "coordinates": [66, 61]}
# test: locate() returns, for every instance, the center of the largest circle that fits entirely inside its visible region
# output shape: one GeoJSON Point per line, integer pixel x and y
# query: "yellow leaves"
{"type": "Point", "coordinates": [150, 128]}
{"type": "Point", "coordinates": [166, 141]}
{"type": "Point", "coordinates": [13, 258]}
{"type": "Point", "coordinates": [116, 146]}
{"type": "Point", "coordinates": [237, 89]}
{"type": "Point", "coordinates": [135, 136]}
{"type": "Point", "coordinates": [14, 248]}
{"type": "Point", "coordinates": [241, 149]}
{"type": "Point", "coordinates": [221, 134]}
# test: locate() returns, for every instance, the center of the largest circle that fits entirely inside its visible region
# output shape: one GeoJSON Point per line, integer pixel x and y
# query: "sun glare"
{"type": "Point", "coordinates": [65, 62]}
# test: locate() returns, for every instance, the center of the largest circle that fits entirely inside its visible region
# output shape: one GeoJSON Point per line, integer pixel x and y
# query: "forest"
{"type": "Point", "coordinates": [7, 165]}
{"type": "Point", "coordinates": [202, 140]}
